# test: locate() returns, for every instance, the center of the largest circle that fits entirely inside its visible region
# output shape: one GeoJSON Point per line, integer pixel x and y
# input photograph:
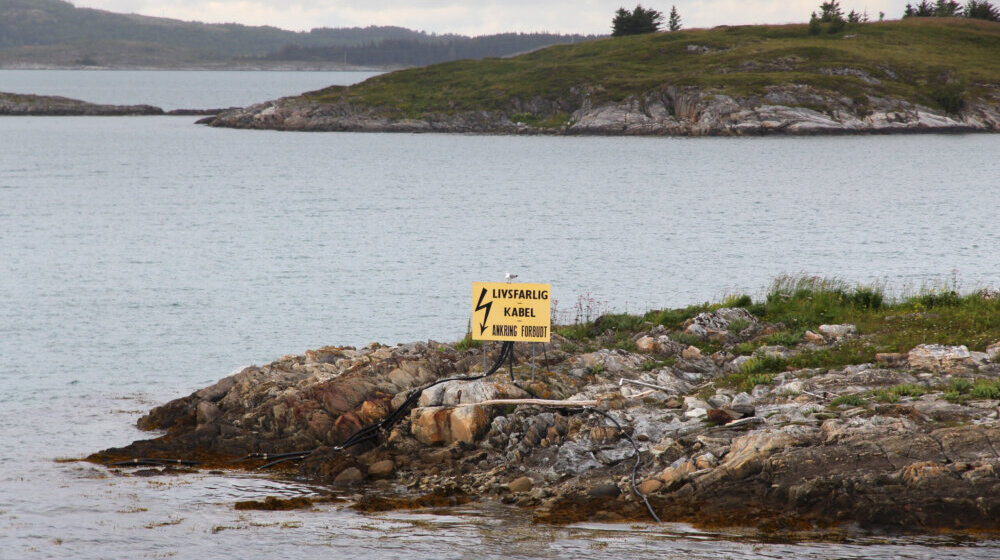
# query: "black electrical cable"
{"type": "Point", "coordinates": [638, 460]}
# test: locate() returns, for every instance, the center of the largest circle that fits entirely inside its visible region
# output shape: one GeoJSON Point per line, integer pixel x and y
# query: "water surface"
{"type": "Point", "coordinates": [142, 258]}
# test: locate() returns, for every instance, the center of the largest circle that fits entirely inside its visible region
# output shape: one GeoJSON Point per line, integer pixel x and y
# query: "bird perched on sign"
{"type": "Point", "coordinates": [510, 276]}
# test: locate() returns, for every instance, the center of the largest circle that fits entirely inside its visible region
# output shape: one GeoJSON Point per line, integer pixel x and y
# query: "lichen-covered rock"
{"type": "Point", "coordinates": [837, 332]}
{"type": "Point", "coordinates": [940, 358]}
{"type": "Point", "coordinates": [717, 323]}
{"type": "Point", "coordinates": [787, 109]}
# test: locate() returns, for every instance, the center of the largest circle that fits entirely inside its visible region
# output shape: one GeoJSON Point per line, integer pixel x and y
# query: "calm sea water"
{"type": "Point", "coordinates": [143, 258]}
{"type": "Point", "coordinates": [172, 89]}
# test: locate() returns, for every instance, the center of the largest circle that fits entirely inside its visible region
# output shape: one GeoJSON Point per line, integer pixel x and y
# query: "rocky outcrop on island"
{"type": "Point", "coordinates": [48, 105]}
{"type": "Point", "coordinates": [907, 441]}
{"type": "Point", "coordinates": [672, 111]}
{"type": "Point", "coordinates": [17, 104]}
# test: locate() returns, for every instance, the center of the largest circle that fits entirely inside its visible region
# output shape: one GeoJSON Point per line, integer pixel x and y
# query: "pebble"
{"type": "Point", "coordinates": [521, 484]}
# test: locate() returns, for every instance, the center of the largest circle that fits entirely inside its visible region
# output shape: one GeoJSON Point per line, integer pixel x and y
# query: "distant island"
{"type": "Point", "coordinates": [27, 105]}
{"type": "Point", "coordinates": [910, 75]}
{"type": "Point", "coordinates": [56, 34]}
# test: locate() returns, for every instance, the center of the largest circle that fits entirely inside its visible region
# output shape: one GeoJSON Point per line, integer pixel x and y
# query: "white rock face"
{"type": "Point", "coordinates": [837, 331]}
{"type": "Point", "coordinates": [469, 392]}
{"type": "Point", "coordinates": [993, 351]}
{"type": "Point", "coordinates": [941, 359]}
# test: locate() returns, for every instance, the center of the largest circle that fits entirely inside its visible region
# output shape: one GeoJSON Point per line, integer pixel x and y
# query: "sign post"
{"type": "Point", "coordinates": [511, 312]}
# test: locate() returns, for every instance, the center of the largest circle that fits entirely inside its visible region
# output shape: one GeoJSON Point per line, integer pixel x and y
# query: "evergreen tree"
{"type": "Point", "coordinates": [674, 24]}
{"type": "Point", "coordinates": [947, 8]}
{"type": "Point", "coordinates": [981, 9]}
{"type": "Point", "coordinates": [814, 25]}
{"type": "Point", "coordinates": [830, 11]}
{"type": "Point", "coordinates": [639, 20]}
{"type": "Point", "coordinates": [923, 9]}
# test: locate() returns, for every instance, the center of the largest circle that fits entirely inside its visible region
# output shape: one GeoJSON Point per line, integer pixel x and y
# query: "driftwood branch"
{"type": "Point", "coordinates": [545, 402]}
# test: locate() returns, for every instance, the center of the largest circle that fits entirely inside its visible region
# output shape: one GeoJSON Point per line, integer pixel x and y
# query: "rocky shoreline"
{"type": "Point", "coordinates": [907, 442]}
{"type": "Point", "coordinates": [17, 104]}
{"type": "Point", "coordinates": [671, 111]}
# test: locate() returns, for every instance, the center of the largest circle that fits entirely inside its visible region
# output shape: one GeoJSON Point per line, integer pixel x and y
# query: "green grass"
{"type": "Point", "coordinates": [938, 62]}
{"type": "Point", "coordinates": [849, 400]}
{"type": "Point", "coordinates": [893, 394]}
{"type": "Point", "coordinates": [784, 338]}
{"type": "Point", "coordinates": [764, 364]}
{"type": "Point", "coordinates": [745, 382]}
{"type": "Point", "coordinates": [961, 390]}
{"type": "Point", "coordinates": [884, 325]}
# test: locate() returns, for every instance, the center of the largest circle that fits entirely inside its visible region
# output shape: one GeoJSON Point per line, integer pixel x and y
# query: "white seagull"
{"type": "Point", "coordinates": [510, 276]}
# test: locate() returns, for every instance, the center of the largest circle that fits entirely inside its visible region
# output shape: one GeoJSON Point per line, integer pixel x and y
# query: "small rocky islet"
{"type": "Point", "coordinates": [733, 429]}
{"type": "Point", "coordinates": [30, 105]}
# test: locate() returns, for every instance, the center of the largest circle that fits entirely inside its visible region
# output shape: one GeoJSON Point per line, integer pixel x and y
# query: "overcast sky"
{"type": "Point", "coordinates": [475, 17]}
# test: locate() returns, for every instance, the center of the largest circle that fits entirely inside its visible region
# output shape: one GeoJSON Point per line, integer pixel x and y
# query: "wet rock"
{"type": "Point", "coordinates": [607, 490]}
{"type": "Point", "coordinates": [348, 477]}
{"type": "Point", "coordinates": [207, 412]}
{"type": "Point", "coordinates": [382, 469]}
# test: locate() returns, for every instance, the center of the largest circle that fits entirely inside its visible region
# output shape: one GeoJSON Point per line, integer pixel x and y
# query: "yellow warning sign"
{"type": "Point", "coordinates": [511, 312]}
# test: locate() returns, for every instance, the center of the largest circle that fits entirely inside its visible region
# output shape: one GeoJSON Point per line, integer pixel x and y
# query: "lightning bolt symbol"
{"type": "Point", "coordinates": [485, 306]}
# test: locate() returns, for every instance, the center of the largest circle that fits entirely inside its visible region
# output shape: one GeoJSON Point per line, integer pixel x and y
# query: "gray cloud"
{"type": "Point", "coordinates": [489, 16]}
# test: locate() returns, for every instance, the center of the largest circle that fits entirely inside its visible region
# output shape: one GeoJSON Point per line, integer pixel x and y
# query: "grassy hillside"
{"type": "Point", "coordinates": [929, 60]}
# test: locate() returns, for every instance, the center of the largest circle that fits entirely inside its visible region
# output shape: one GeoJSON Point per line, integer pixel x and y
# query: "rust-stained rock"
{"type": "Point", "coordinates": [438, 425]}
